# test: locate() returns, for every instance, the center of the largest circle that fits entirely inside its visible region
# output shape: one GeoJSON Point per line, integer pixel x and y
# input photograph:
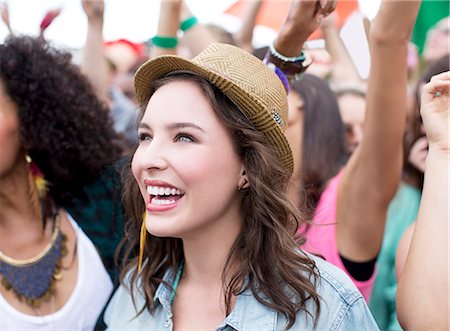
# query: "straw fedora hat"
{"type": "Point", "coordinates": [254, 88]}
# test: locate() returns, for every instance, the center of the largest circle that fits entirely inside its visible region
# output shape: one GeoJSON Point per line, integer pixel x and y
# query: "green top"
{"type": "Point", "coordinates": [98, 210]}
{"type": "Point", "coordinates": [401, 213]}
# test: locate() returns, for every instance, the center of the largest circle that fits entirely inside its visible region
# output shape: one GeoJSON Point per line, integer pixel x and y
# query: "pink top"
{"type": "Point", "coordinates": [321, 237]}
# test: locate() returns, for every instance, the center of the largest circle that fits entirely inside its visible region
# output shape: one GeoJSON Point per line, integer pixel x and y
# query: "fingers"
{"type": "Point", "coordinates": [442, 76]}
{"type": "Point", "coordinates": [438, 86]}
{"type": "Point", "coordinates": [328, 6]}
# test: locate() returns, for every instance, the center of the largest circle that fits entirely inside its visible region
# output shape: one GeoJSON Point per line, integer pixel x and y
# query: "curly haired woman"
{"type": "Point", "coordinates": [55, 138]}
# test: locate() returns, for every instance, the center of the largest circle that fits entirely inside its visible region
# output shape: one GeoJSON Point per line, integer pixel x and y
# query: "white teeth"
{"type": "Point", "coordinates": [161, 191]}
{"type": "Point", "coordinates": [162, 202]}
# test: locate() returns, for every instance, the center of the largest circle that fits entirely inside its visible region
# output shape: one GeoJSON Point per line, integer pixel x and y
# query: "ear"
{"type": "Point", "coordinates": [243, 181]}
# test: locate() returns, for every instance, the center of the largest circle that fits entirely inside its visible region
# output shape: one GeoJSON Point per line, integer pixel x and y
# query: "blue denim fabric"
{"type": "Point", "coordinates": [342, 308]}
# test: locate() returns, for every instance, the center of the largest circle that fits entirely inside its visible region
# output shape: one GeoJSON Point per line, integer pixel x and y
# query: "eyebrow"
{"type": "Point", "coordinates": [177, 125]}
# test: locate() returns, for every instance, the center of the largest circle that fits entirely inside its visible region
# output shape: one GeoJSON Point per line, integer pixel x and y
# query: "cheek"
{"type": "Point", "coordinates": [136, 170]}
{"type": "Point", "coordinates": [201, 168]}
{"type": "Point", "coordinates": [10, 144]}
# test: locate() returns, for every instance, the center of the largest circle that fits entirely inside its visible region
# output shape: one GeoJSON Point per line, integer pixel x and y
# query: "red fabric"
{"type": "Point", "coordinates": [273, 13]}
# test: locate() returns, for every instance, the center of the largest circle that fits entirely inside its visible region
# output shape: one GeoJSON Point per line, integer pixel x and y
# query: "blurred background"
{"type": "Point", "coordinates": [136, 20]}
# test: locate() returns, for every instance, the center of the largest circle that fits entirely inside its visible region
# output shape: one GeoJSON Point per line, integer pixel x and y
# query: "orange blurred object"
{"type": "Point", "coordinates": [273, 13]}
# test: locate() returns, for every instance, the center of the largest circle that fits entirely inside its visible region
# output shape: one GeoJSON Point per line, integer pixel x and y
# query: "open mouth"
{"type": "Point", "coordinates": [164, 195]}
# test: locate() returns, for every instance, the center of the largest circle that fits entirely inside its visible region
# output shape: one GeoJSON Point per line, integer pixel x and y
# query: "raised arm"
{"type": "Point", "coordinates": [93, 63]}
{"type": "Point", "coordinates": [343, 69]}
{"type": "Point", "coordinates": [5, 16]}
{"type": "Point", "coordinates": [372, 174]}
{"type": "Point", "coordinates": [244, 35]}
{"type": "Point", "coordinates": [304, 18]}
{"type": "Point", "coordinates": [422, 295]}
{"type": "Point", "coordinates": [169, 21]}
{"type": "Point", "coordinates": [197, 37]}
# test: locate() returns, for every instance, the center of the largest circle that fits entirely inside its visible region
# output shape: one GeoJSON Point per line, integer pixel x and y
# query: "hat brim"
{"type": "Point", "coordinates": [255, 111]}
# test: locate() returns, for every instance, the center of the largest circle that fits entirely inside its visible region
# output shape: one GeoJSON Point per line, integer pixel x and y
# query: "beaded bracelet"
{"type": "Point", "coordinates": [165, 42]}
{"type": "Point", "coordinates": [188, 23]}
{"type": "Point", "coordinates": [283, 58]}
{"type": "Point", "coordinates": [292, 67]}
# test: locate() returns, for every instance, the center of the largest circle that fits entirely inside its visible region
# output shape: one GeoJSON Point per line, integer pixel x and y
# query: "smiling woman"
{"type": "Point", "coordinates": [210, 175]}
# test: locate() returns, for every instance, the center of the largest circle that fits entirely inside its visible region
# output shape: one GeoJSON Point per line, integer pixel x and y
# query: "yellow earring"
{"type": "Point", "coordinates": [143, 237]}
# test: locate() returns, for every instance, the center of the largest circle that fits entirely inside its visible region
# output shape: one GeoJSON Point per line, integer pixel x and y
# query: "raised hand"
{"type": "Point", "coordinates": [303, 18]}
{"type": "Point", "coordinates": [94, 9]}
{"type": "Point", "coordinates": [435, 111]}
{"type": "Point", "coordinates": [48, 19]}
{"type": "Point", "coordinates": [5, 15]}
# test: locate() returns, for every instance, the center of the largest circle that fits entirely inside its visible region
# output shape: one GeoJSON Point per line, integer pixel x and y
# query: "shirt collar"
{"type": "Point", "coordinates": [249, 314]}
{"type": "Point", "coordinates": [163, 292]}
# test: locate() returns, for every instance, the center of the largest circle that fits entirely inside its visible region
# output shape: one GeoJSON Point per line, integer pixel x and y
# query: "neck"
{"type": "Point", "coordinates": [205, 257]}
{"type": "Point", "coordinates": [14, 196]}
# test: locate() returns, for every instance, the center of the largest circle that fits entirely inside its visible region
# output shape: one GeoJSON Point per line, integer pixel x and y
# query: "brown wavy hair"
{"type": "Point", "coordinates": [323, 145]}
{"type": "Point", "coordinates": [265, 253]}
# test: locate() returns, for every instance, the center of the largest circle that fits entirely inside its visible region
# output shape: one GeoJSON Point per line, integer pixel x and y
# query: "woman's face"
{"type": "Point", "coordinates": [185, 165]}
{"type": "Point", "coordinates": [353, 111]}
{"type": "Point", "coordinates": [9, 133]}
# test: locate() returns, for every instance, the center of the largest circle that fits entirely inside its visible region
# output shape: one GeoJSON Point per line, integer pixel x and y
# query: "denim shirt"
{"type": "Point", "coordinates": [342, 308]}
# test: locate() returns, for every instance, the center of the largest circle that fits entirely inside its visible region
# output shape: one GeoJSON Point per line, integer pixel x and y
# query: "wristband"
{"type": "Point", "coordinates": [292, 67]}
{"type": "Point", "coordinates": [165, 42]}
{"type": "Point", "coordinates": [188, 23]}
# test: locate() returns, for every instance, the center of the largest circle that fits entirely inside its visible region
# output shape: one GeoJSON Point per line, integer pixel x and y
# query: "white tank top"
{"type": "Point", "coordinates": [84, 305]}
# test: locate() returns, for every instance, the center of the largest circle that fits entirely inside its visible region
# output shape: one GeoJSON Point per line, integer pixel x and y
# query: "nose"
{"type": "Point", "coordinates": [150, 156]}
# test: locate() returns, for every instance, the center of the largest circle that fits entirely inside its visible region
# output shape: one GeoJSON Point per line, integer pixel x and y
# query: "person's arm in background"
{"type": "Point", "coordinates": [304, 18]}
{"type": "Point", "coordinates": [343, 70]}
{"type": "Point", "coordinates": [422, 295]}
{"type": "Point", "coordinates": [93, 63]}
{"type": "Point", "coordinates": [244, 35]}
{"type": "Point", "coordinates": [169, 21]}
{"type": "Point", "coordinates": [48, 20]}
{"type": "Point", "coordinates": [372, 174]}
{"type": "Point", "coordinates": [5, 16]}
{"type": "Point", "coordinates": [197, 37]}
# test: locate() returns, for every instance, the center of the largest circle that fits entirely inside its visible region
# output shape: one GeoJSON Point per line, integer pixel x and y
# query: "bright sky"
{"type": "Point", "coordinates": [135, 20]}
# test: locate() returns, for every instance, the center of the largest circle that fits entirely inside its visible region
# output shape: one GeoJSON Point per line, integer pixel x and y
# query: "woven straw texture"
{"type": "Point", "coordinates": [254, 89]}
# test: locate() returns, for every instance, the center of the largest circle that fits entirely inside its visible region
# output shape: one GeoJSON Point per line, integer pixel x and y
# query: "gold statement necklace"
{"type": "Point", "coordinates": [33, 280]}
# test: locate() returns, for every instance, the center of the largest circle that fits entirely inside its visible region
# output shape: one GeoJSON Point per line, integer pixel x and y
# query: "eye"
{"type": "Point", "coordinates": [142, 136]}
{"type": "Point", "coordinates": [184, 138]}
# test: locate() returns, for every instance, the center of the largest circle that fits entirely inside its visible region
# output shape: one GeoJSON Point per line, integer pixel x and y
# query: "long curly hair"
{"type": "Point", "coordinates": [64, 127]}
{"type": "Point", "coordinates": [265, 253]}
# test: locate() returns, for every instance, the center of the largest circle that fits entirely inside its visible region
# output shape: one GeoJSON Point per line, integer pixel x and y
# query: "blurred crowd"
{"type": "Point", "coordinates": [371, 201]}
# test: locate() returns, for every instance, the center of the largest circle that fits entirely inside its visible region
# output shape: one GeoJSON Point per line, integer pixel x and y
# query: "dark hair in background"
{"type": "Point", "coordinates": [265, 253]}
{"type": "Point", "coordinates": [414, 131]}
{"type": "Point", "coordinates": [64, 128]}
{"type": "Point", "coordinates": [323, 148]}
